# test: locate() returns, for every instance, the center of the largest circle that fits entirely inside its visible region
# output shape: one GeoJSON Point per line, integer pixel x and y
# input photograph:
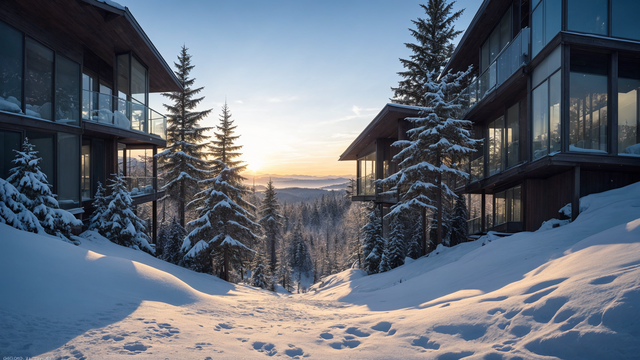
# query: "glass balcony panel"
{"type": "Point", "coordinates": [139, 186]}
{"type": "Point", "coordinates": [477, 169]}
{"type": "Point", "coordinates": [129, 115]}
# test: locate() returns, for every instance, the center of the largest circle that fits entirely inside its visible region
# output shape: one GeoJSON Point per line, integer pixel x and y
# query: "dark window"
{"type": "Point", "coordinates": [628, 106]}
{"type": "Point", "coordinates": [496, 141]}
{"type": "Point", "coordinates": [44, 146]}
{"type": "Point", "coordinates": [68, 170]}
{"type": "Point", "coordinates": [512, 140]}
{"type": "Point", "coordinates": [624, 19]}
{"type": "Point", "coordinates": [39, 81]}
{"type": "Point", "coordinates": [555, 96]}
{"type": "Point", "coordinates": [540, 100]}
{"type": "Point", "coordinates": [498, 39]}
{"type": "Point", "coordinates": [85, 167]}
{"type": "Point", "coordinates": [9, 141]}
{"type": "Point", "coordinates": [589, 16]}
{"type": "Point", "coordinates": [546, 23]}
{"type": "Point", "coordinates": [588, 102]}
{"type": "Point", "coordinates": [67, 91]}
{"type": "Point", "coordinates": [508, 206]}
{"type": "Point", "coordinates": [10, 69]}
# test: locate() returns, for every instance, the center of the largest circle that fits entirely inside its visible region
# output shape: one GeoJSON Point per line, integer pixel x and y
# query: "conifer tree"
{"type": "Point", "coordinates": [433, 48]}
{"type": "Point", "coordinates": [223, 147]}
{"type": "Point", "coordinates": [183, 164]}
{"type": "Point", "coordinates": [459, 222]}
{"type": "Point", "coordinates": [437, 141]}
{"type": "Point", "coordinates": [170, 238]}
{"type": "Point", "coordinates": [121, 225]}
{"type": "Point", "coordinates": [13, 212]}
{"type": "Point", "coordinates": [36, 195]}
{"type": "Point", "coordinates": [271, 223]}
{"type": "Point", "coordinates": [299, 259]}
{"type": "Point", "coordinates": [100, 204]}
{"type": "Point", "coordinates": [259, 274]}
{"type": "Point", "coordinates": [373, 243]}
{"type": "Point", "coordinates": [394, 252]}
{"type": "Point", "coordinates": [223, 228]}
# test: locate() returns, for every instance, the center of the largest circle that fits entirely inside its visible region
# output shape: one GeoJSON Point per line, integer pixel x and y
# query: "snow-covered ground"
{"type": "Point", "coordinates": [571, 292]}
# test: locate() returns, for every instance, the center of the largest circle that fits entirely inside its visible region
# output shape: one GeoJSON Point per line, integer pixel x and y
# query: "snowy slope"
{"type": "Point", "coordinates": [571, 292]}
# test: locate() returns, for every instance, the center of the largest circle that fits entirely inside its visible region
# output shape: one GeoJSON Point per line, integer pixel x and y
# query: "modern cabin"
{"type": "Point", "coordinates": [556, 98]}
{"type": "Point", "coordinates": [76, 78]}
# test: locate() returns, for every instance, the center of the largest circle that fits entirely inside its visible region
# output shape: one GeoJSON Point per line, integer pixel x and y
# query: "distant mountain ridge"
{"type": "Point", "coordinates": [299, 181]}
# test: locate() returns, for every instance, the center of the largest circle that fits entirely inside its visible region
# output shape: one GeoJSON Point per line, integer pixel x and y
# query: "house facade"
{"type": "Point", "coordinates": [556, 98]}
{"type": "Point", "coordinates": [76, 78]}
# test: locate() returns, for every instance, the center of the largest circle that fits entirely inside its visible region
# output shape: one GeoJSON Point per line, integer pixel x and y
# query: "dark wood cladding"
{"type": "Point", "coordinates": [545, 197]}
{"type": "Point", "coordinates": [70, 26]}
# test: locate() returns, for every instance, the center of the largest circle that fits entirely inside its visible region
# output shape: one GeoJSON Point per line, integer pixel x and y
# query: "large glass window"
{"type": "Point", "coordinates": [624, 19]}
{"type": "Point", "coordinates": [9, 141]}
{"type": "Point", "coordinates": [67, 91]}
{"type": "Point", "coordinates": [546, 23]}
{"type": "Point", "coordinates": [628, 106]}
{"type": "Point", "coordinates": [512, 135]}
{"type": "Point", "coordinates": [498, 39]}
{"type": "Point", "coordinates": [588, 102]}
{"type": "Point", "coordinates": [555, 96]}
{"type": "Point", "coordinates": [508, 206]}
{"type": "Point", "coordinates": [589, 16]}
{"type": "Point", "coordinates": [39, 80]}
{"type": "Point", "coordinates": [85, 168]}
{"type": "Point", "coordinates": [10, 69]}
{"type": "Point", "coordinates": [496, 140]}
{"type": "Point", "coordinates": [540, 120]}
{"type": "Point", "coordinates": [68, 170]}
{"type": "Point", "coordinates": [138, 96]}
{"type": "Point", "coordinates": [43, 143]}
{"type": "Point", "coordinates": [367, 174]}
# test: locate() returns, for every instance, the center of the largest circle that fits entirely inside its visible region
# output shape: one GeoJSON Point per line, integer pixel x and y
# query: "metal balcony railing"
{"type": "Point", "coordinates": [510, 59]}
{"type": "Point", "coordinates": [129, 115]}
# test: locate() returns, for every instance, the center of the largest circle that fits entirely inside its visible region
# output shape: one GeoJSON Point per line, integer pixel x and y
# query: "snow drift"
{"type": "Point", "coordinates": [571, 292]}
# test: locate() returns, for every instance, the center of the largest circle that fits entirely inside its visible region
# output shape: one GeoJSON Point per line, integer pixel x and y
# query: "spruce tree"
{"type": "Point", "coordinates": [170, 238]}
{"type": "Point", "coordinates": [100, 204]}
{"type": "Point", "coordinates": [121, 225]}
{"type": "Point", "coordinates": [437, 142]}
{"type": "Point", "coordinates": [223, 228]}
{"type": "Point", "coordinates": [431, 52]}
{"type": "Point", "coordinates": [271, 223]}
{"type": "Point", "coordinates": [394, 252]}
{"type": "Point", "coordinates": [13, 212]}
{"type": "Point", "coordinates": [459, 222]}
{"type": "Point", "coordinates": [259, 273]}
{"type": "Point", "coordinates": [183, 164]}
{"type": "Point", "coordinates": [223, 147]}
{"type": "Point", "coordinates": [36, 195]}
{"type": "Point", "coordinates": [373, 243]}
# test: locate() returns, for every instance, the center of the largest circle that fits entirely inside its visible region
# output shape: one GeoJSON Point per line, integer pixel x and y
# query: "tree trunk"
{"type": "Point", "coordinates": [181, 204]}
{"type": "Point", "coordinates": [226, 263]}
{"type": "Point", "coordinates": [439, 203]}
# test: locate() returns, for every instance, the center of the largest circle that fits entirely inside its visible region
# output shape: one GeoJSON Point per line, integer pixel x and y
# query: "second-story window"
{"type": "Point", "coordinates": [629, 106]}
{"type": "Point", "coordinates": [588, 16]}
{"type": "Point", "coordinates": [546, 22]}
{"type": "Point", "coordinates": [11, 64]}
{"type": "Point", "coordinates": [38, 81]}
{"type": "Point", "coordinates": [498, 39]}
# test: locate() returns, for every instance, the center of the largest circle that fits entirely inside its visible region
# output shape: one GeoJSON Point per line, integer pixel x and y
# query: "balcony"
{"type": "Point", "coordinates": [366, 186]}
{"type": "Point", "coordinates": [511, 58]}
{"type": "Point", "coordinates": [124, 114]}
{"type": "Point", "coordinates": [139, 186]}
{"type": "Point", "coordinates": [476, 169]}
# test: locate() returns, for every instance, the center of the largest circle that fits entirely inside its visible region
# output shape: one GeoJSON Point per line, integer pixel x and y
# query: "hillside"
{"type": "Point", "coordinates": [570, 292]}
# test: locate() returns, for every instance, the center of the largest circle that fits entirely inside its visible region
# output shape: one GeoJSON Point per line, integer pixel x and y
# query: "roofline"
{"type": "Point", "coordinates": [472, 25]}
{"type": "Point", "coordinates": [385, 110]}
{"type": "Point", "coordinates": [132, 20]}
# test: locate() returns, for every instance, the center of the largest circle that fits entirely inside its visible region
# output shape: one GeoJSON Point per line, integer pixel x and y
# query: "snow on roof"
{"type": "Point", "coordinates": [112, 4]}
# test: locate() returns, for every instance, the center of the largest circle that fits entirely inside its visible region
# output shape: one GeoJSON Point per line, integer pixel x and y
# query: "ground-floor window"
{"type": "Point", "coordinates": [9, 141]}
{"type": "Point", "coordinates": [508, 206]}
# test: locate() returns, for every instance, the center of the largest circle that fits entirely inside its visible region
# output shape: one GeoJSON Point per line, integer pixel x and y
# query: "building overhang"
{"type": "Point", "coordinates": [102, 26]}
{"type": "Point", "coordinates": [384, 125]}
{"type": "Point", "coordinates": [485, 20]}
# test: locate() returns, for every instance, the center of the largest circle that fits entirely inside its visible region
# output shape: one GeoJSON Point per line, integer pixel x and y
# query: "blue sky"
{"type": "Point", "coordinates": [302, 78]}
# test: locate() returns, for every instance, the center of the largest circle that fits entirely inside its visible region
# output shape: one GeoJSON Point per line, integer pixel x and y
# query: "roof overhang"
{"type": "Point", "coordinates": [384, 125]}
{"type": "Point", "coordinates": [485, 20]}
{"type": "Point", "coordinates": [102, 26]}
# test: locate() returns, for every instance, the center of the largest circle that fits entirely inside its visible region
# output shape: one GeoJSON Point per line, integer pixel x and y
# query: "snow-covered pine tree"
{"type": "Point", "coordinates": [414, 240]}
{"type": "Point", "coordinates": [170, 238]}
{"type": "Point", "coordinates": [459, 222]}
{"type": "Point", "coordinates": [259, 273]}
{"type": "Point", "coordinates": [271, 223]}
{"type": "Point", "coordinates": [184, 163]}
{"type": "Point", "coordinates": [299, 258]}
{"type": "Point", "coordinates": [372, 243]}
{"type": "Point", "coordinates": [446, 228]}
{"type": "Point", "coordinates": [223, 147]}
{"type": "Point", "coordinates": [223, 228]}
{"type": "Point", "coordinates": [36, 195]}
{"type": "Point", "coordinates": [394, 251]}
{"type": "Point", "coordinates": [121, 225]}
{"type": "Point", "coordinates": [437, 141]}
{"type": "Point", "coordinates": [432, 50]}
{"type": "Point", "coordinates": [13, 212]}
{"type": "Point", "coordinates": [100, 203]}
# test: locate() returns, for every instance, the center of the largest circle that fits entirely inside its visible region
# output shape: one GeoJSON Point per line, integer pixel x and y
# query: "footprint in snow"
{"type": "Point", "coordinates": [383, 326]}
{"type": "Point", "coordinates": [344, 344]}
{"type": "Point", "coordinates": [267, 348]}
{"type": "Point", "coordinates": [294, 352]}
{"type": "Point", "coordinates": [355, 331]}
{"type": "Point", "coordinates": [425, 343]}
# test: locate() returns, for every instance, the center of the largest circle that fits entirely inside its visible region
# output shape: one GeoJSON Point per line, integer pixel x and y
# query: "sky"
{"type": "Point", "coordinates": [302, 78]}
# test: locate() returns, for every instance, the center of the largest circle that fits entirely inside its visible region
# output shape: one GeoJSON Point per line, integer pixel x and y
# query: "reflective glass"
{"type": "Point", "coordinates": [540, 121]}
{"type": "Point", "coordinates": [624, 19]}
{"type": "Point", "coordinates": [38, 81]}
{"type": "Point", "coordinates": [588, 102]}
{"type": "Point", "coordinates": [537, 31]}
{"type": "Point", "coordinates": [85, 166]}
{"type": "Point", "coordinates": [513, 135]}
{"type": "Point", "coordinates": [67, 91]}
{"type": "Point", "coordinates": [555, 96]}
{"type": "Point", "coordinates": [10, 69]}
{"type": "Point", "coordinates": [496, 130]}
{"type": "Point", "coordinates": [68, 171]}
{"type": "Point", "coordinates": [9, 141]}
{"type": "Point", "coordinates": [553, 19]}
{"type": "Point", "coordinates": [628, 105]}
{"type": "Point", "coordinates": [43, 143]}
{"type": "Point", "coordinates": [589, 16]}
